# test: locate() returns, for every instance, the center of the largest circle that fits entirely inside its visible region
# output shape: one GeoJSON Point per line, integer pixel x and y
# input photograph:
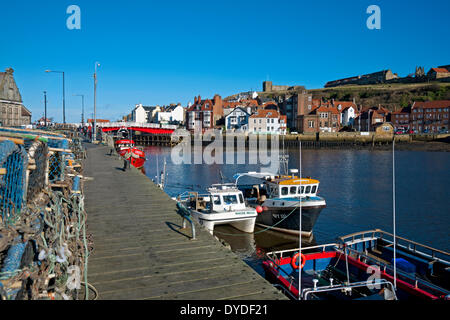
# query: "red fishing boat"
{"type": "Point", "coordinates": [127, 149]}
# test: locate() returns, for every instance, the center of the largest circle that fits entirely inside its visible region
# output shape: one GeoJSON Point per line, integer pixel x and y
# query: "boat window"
{"type": "Point", "coordinates": [293, 190]}
{"type": "Point", "coordinates": [231, 199]}
{"type": "Point", "coordinates": [284, 191]}
{"type": "Point", "coordinates": [275, 191]}
{"type": "Point", "coordinates": [241, 198]}
{"type": "Point", "coordinates": [313, 190]}
{"type": "Point", "coordinates": [308, 189]}
{"type": "Point", "coordinates": [216, 200]}
{"type": "Point", "coordinates": [303, 190]}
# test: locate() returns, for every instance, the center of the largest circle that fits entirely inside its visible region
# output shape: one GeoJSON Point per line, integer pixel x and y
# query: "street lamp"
{"type": "Point", "coordinates": [45, 109]}
{"type": "Point", "coordinates": [64, 94]}
{"type": "Point", "coordinates": [94, 133]}
{"type": "Point", "coordinates": [82, 107]}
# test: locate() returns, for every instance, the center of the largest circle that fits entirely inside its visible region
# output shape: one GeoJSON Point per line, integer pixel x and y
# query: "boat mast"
{"type": "Point", "coordinates": [393, 212]}
{"type": "Point", "coordinates": [300, 222]}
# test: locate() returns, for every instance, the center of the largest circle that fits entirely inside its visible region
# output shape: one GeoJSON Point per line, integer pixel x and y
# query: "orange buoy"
{"type": "Point", "coordinates": [294, 261]}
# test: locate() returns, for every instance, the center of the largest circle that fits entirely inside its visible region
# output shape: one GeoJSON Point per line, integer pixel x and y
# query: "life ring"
{"type": "Point", "coordinates": [294, 261]}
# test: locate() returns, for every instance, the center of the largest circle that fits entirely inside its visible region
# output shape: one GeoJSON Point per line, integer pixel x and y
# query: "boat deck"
{"type": "Point", "coordinates": [139, 250]}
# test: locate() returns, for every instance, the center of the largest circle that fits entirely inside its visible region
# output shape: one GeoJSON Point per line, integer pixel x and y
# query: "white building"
{"type": "Point", "coordinates": [143, 114]}
{"type": "Point", "coordinates": [171, 114]}
{"type": "Point", "coordinates": [267, 122]}
{"type": "Point", "coordinates": [347, 110]}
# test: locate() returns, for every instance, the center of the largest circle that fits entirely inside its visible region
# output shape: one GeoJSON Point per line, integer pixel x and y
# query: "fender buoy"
{"type": "Point", "coordinates": [259, 209]}
{"type": "Point", "coordinates": [294, 261]}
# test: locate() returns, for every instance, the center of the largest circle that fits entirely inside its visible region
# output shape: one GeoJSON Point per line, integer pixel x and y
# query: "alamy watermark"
{"type": "Point", "coordinates": [374, 20]}
{"type": "Point", "coordinates": [226, 149]}
{"type": "Point", "coordinates": [73, 22]}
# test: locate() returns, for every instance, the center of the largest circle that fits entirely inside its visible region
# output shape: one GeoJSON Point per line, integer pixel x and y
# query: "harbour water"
{"type": "Point", "coordinates": [357, 185]}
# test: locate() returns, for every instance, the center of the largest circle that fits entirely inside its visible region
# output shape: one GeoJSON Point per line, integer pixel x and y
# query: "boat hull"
{"type": "Point", "coordinates": [246, 223]}
{"type": "Point", "coordinates": [284, 216]}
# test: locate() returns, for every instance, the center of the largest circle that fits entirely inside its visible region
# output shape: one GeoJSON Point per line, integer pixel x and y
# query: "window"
{"type": "Point", "coordinates": [313, 190]}
{"type": "Point", "coordinates": [293, 190]}
{"type": "Point", "coordinates": [302, 190]}
{"type": "Point", "coordinates": [217, 200]}
{"type": "Point", "coordinates": [311, 124]}
{"type": "Point", "coordinates": [231, 199]}
{"type": "Point", "coordinates": [284, 191]}
{"type": "Point", "coordinates": [241, 198]}
{"type": "Point", "coordinates": [308, 189]}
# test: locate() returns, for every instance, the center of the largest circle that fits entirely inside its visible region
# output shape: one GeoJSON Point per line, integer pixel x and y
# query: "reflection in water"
{"type": "Point", "coordinates": [357, 186]}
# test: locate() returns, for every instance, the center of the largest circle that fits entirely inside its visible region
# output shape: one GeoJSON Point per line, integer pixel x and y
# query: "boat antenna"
{"type": "Point", "coordinates": [300, 221]}
{"type": "Point", "coordinates": [157, 171]}
{"type": "Point", "coordinates": [393, 213]}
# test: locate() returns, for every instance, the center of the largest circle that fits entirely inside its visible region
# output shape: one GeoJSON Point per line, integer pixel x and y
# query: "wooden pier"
{"type": "Point", "coordinates": [140, 252]}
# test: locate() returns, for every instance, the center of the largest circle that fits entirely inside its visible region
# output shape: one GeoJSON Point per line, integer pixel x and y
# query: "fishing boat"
{"type": "Point", "coordinates": [362, 266]}
{"type": "Point", "coordinates": [123, 145]}
{"type": "Point", "coordinates": [420, 271]}
{"type": "Point", "coordinates": [279, 197]}
{"type": "Point", "coordinates": [222, 204]}
{"type": "Point", "coordinates": [323, 273]}
{"type": "Point", "coordinates": [126, 148]}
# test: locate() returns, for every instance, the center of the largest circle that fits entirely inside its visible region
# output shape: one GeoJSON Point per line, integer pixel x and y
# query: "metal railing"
{"type": "Point", "coordinates": [348, 287]}
{"type": "Point", "coordinates": [426, 251]}
{"type": "Point", "coordinates": [186, 215]}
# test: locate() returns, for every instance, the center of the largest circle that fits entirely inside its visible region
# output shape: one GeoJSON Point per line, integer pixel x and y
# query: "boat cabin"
{"type": "Point", "coordinates": [220, 198]}
{"type": "Point", "coordinates": [291, 186]}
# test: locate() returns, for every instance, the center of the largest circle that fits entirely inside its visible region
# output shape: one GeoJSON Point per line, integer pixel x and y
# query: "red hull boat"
{"type": "Point", "coordinates": [137, 156]}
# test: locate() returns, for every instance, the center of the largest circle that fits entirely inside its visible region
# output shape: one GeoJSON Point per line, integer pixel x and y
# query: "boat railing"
{"type": "Point", "coordinates": [413, 246]}
{"type": "Point", "coordinates": [412, 280]}
{"type": "Point", "coordinates": [274, 255]}
{"type": "Point", "coordinates": [347, 287]}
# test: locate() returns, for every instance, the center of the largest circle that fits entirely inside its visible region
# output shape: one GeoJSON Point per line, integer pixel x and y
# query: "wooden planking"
{"type": "Point", "coordinates": [139, 250]}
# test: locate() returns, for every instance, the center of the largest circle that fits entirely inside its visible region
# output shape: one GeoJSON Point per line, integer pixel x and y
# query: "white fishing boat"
{"type": "Point", "coordinates": [222, 204]}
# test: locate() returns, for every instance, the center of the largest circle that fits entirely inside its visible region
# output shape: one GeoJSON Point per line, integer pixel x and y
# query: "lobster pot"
{"type": "Point", "coordinates": [14, 162]}
{"type": "Point", "coordinates": [36, 175]}
{"type": "Point", "coordinates": [57, 159]}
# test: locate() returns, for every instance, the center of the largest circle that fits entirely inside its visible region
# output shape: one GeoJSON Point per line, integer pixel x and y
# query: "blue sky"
{"type": "Point", "coordinates": [159, 52]}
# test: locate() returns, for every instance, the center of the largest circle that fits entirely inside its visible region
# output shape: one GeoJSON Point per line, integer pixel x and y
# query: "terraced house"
{"type": "Point", "coordinates": [204, 114]}
{"type": "Point", "coordinates": [430, 116]}
{"type": "Point", "coordinates": [267, 121]}
{"type": "Point", "coordinates": [13, 112]}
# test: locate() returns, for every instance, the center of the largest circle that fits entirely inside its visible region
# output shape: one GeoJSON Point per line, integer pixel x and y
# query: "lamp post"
{"type": "Point", "coordinates": [82, 107]}
{"type": "Point", "coordinates": [45, 108]}
{"type": "Point", "coordinates": [94, 127]}
{"type": "Point", "coordinates": [64, 94]}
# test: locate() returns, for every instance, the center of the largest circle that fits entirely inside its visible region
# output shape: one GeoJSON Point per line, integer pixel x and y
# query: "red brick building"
{"type": "Point", "coordinates": [400, 119]}
{"type": "Point", "coordinates": [323, 117]}
{"type": "Point", "coordinates": [369, 118]}
{"type": "Point", "coordinates": [204, 114]}
{"type": "Point", "coordinates": [430, 116]}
